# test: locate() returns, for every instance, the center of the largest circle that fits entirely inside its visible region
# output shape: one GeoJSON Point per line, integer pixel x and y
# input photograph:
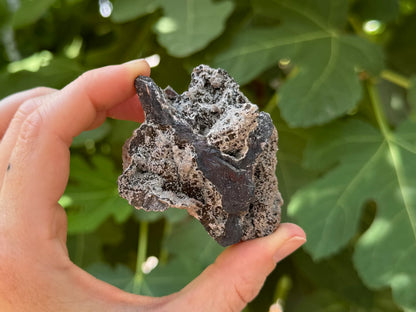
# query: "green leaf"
{"type": "Point", "coordinates": [326, 300]}
{"type": "Point", "coordinates": [290, 173]}
{"type": "Point", "coordinates": [170, 278]}
{"type": "Point", "coordinates": [321, 300]}
{"type": "Point", "coordinates": [88, 248]}
{"type": "Point", "coordinates": [401, 48]}
{"type": "Point", "coordinates": [331, 216]}
{"type": "Point", "coordinates": [325, 84]}
{"type": "Point", "coordinates": [147, 216]}
{"type": "Point", "coordinates": [4, 13]}
{"type": "Point", "coordinates": [411, 95]}
{"type": "Point", "coordinates": [189, 25]}
{"type": "Point", "coordinates": [369, 166]}
{"type": "Point", "coordinates": [92, 135]}
{"type": "Point", "coordinates": [191, 250]}
{"type": "Point", "coordinates": [121, 130]}
{"type": "Point", "coordinates": [189, 239]}
{"type": "Point", "coordinates": [328, 83]}
{"type": "Point", "coordinates": [384, 10]}
{"type": "Point", "coordinates": [128, 10]}
{"type": "Point", "coordinates": [46, 76]}
{"type": "Point", "coordinates": [119, 276]}
{"type": "Point", "coordinates": [94, 194]}
{"type": "Point", "coordinates": [174, 215]}
{"type": "Point", "coordinates": [327, 274]}
{"type": "Point", "coordinates": [30, 11]}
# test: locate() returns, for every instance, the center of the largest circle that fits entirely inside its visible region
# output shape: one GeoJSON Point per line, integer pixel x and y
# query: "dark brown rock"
{"type": "Point", "coordinates": [209, 151]}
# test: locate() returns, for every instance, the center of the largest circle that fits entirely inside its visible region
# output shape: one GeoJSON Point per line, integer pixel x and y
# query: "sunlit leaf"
{"type": "Point", "coordinates": [189, 25]}
{"type": "Point", "coordinates": [368, 166]}
{"type": "Point", "coordinates": [46, 76]}
{"type": "Point", "coordinates": [30, 11]}
{"type": "Point", "coordinates": [326, 84]}
{"type": "Point", "coordinates": [127, 10]}
{"type": "Point", "coordinates": [94, 194]}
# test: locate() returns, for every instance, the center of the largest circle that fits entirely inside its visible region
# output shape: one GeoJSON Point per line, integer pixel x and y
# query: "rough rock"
{"type": "Point", "coordinates": [208, 150]}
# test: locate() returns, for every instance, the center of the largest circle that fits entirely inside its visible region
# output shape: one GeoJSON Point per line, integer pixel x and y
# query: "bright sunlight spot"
{"type": "Point", "coordinates": [106, 8]}
{"type": "Point", "coordinates": [276, 307]}
{"type": "Point", "coordinates": [73, 50]}
{"type": "Point", "coordinates": [32, 63]}
{"type": "Point", "coordinates": [65, 201]}
{"type": "Point", "coordinates": [373, 27]}
{"type": "Point", "coordinates": [396, 102]}
{"type": "Point", "coordinates": [153, 60]}
{"type": "Point", "coordinates": [166, 25]}
{"type": "Point", "coordinates": [402, 281]}
{"type": "Point", "coordinates": [149, 264]}
{"type": "Point", "coordinates": [379, 230]}
{"type": "Point", "coordinates": [285, 62]}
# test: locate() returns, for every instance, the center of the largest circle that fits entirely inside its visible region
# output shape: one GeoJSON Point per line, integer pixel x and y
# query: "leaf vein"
{"type": "Point", "coordinates": [276, 42]}
{"type": "Point", "coordinates": [401, 180]}
{"type": "Point", "coordinates": [306, 13]}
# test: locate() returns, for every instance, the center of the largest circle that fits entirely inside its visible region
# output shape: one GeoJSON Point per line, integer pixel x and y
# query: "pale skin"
{"type": "Point", "coordinates": [36, 129]}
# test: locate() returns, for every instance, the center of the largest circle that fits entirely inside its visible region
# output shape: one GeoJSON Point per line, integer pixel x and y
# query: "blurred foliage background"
{"type": "Point", "coordinates": [339, 80]}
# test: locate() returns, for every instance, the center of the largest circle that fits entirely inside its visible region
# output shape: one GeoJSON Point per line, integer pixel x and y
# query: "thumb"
{"type": "Point", "coordinates": [239, 272]}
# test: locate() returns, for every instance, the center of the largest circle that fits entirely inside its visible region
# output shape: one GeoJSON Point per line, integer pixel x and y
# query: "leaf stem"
{"type": "Point", "coordinates": [271, 105]}
{"type": "Point", "coordinates": [164, 253]}
{"type": "Point", "coordinates": [395, 78]}
{"type": "Point", "coordinates": [396, 157]}
{"type": "Point", "coordinates": [283, 287]}
{"type": "Point", "coordinates": [141, 256]}
{"type": "Point", "coordinates": [376, 103]}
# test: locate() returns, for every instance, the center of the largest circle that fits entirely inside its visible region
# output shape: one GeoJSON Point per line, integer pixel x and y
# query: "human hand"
{"type": "Point", "coordinates": [36, 129]}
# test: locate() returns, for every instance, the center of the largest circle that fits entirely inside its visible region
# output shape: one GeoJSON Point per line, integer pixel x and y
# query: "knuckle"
{"type": "Point", "coordinates": [30, 127]}
{"type": "Point", "coordinates": [244, 290]}
{"type": "Point", "coordinates": [27, 108]}
{"type": "Point", "coordinates": [42, 90]}
{"type": "Point", "coordinates": [87, 77]}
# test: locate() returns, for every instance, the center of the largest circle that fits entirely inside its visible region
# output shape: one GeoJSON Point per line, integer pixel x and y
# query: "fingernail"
{"type": "Point", "coordinates": [139, 67]}
{"type": "Point", "coordinates": [134, 61]}
{"type": "Point", "coordinates": [288, 247]}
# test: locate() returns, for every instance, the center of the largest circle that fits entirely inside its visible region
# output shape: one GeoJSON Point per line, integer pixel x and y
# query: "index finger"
{"type": "Point", "coordinates": [85, 101]}
{"type": "Point", "coordinates": [10, 104]}
{"type": "Point", "coordinates": [44, 137]}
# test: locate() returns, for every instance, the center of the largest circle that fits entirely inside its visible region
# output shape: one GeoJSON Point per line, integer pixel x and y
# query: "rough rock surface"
{"type": "Point", "coordinates": [209, 151]}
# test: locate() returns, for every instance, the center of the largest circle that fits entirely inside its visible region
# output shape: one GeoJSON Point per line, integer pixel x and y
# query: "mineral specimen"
{"type": "Point", "coordinates": [209, 151]}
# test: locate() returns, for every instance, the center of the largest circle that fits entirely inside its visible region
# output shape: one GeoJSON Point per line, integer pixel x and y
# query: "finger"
{"type": "Point", "coordinates": [87, 100]}
{"type": "Point", "coordinates": [129, 110]}
{"type": "Point", "coordinates": [239, 272]}
{"type": "Point", "coordinates": [10, 104]}
{"type": "Point", "coordinates": [8, 142]}
{"type": "Point", "coordinates": [8, 108]}
{"type": "Point", "coordinates": [39, 163]}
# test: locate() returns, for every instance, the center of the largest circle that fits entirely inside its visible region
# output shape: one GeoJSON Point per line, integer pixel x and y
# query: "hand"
{"type": "Point", "coordinates": [36, 274]}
